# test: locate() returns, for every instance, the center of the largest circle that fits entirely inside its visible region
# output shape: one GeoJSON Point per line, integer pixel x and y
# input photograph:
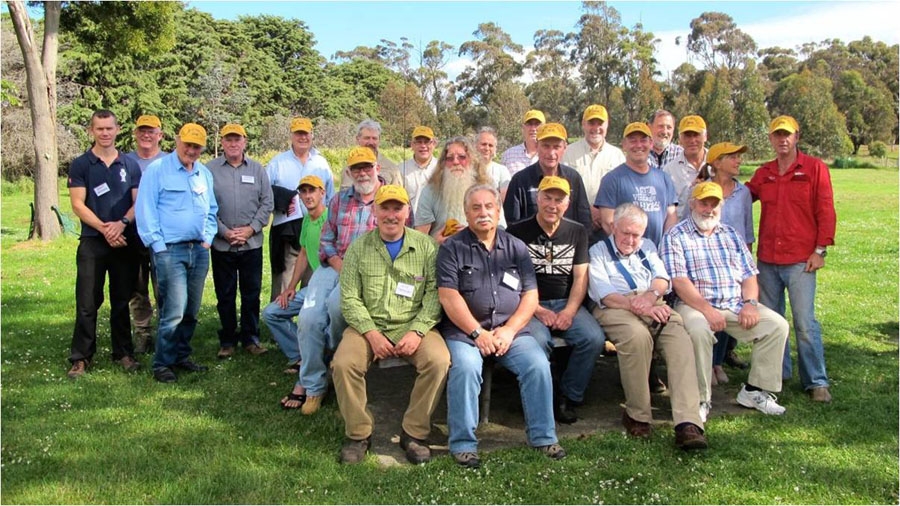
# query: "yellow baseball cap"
{"type": "Point", "coordinates": [707, 189]}
{"type": "Point", "coordinates": [637, 126]}
{"type": "Point", "coordinates": [692, 123]}
{"type": "Point", "coordinates": [785, 123]}
{"type": "Point", "coordinates": [361, 154]}
{"type": "Point", "coordinates": [534, 114]}
{"type": "Point", "coordinates": [193, 133]}
{"type": "Point", "coordinates": [422, 131]}
{"type": "Point", "coordinates": [233, 128]}
{"type": "Point", "coordinates": [390, 192]}
{"type": "Point", "coordinates": [301, 125]}
{"type": "Point", "coordinates": [148, 120]}
{"type": "Point", "coordinates": [311, 180]}
{"type": "Point", "coordinates": [554, 183]}
{"type": "Point", "coordinates": [552, 131]}
{"type": "Point", "coordinates": [723, 148]}
{"type": "Point", "coordinates": [595, 111]}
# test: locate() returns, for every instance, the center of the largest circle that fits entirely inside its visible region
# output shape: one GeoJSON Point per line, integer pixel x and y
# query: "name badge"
{"type": "Point", "coordinates": [405, 290]}
{"type": "Point", "coordinates": [103, 189]}
{"type": "Point", "coordinates": [248, 179]}
{"type": "Point", "coordinates": [200, 189]}
{"type": "Point", "coordinates": [510, 281]}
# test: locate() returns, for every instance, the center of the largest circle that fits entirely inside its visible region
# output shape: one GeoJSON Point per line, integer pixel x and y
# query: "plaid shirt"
{"type": "Point", "coordinates": [516, 159]}
{"type": "Point", "coordinates": [348, 218]}
{"type": "Point", "coordinates": [668, 155]}
{"type": "Point", "coordinates": [716, 264]}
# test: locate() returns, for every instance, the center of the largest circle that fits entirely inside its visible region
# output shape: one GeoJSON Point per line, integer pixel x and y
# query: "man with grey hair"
{"type": "Point", "coordinates": [685, 168]}
{"type": "Point", "coordinates": [368, 134]}
{"type": "Point", "coordinates": [662, 124]}
{"type": "Point", "coordinates": [627, 280]}
{"type": "Point", "coordinates": [486, 144]}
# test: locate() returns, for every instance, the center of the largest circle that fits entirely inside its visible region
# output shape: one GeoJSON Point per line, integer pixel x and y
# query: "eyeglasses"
{"type": "Point", "coordinates": [453, 158]}
{"type": "Point", "coordinates": [363, 168]}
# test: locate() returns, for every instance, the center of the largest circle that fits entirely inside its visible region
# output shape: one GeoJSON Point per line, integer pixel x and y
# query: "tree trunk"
{"type": "Point", "coordinates": [42, 103]}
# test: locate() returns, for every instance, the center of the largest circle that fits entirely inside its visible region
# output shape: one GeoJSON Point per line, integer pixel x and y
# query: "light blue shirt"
{"type": "Point", "coordinates": [737, 211]}
{"type": "Point", "coordinates": [286, 170]}
{"type": "Point", "coordinates": [175, 205]}
{"type": "Point", "coordinates": [604, 277]}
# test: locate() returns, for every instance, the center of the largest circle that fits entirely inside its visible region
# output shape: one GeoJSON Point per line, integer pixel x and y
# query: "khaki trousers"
{"type": "Point", "coordinates": [634, 347]}
{"type": "Point", "coordinates": [351, 362]}
{"type": "Point", "coordinates": [767, 337]}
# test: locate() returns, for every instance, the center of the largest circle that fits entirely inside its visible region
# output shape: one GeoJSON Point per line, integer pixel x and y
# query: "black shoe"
{"type": "Point", "coordinates": [417, 450]}
{"type": "Point", "coordinates": [732, 360]}
{"type": "Point", "coordinates": [354, 451]}
{"type": "Point", "coordinates": [164, 375]}
{"type": "Point", "coordinates": [468, 460]}
{"type": "Point", "coordinates": [564, 410]}
{"type": "Point", "coordinates": [187, 365]}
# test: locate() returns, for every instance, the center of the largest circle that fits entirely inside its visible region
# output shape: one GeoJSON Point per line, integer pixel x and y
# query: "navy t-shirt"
{"type": "Point", "coordinates": [553, 257]}
{"type": "Point", "coordinates": [107, 189]}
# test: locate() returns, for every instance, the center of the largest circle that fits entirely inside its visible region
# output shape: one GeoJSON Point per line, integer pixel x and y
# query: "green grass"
{"type": "Point", "coordinates": [219, 438]}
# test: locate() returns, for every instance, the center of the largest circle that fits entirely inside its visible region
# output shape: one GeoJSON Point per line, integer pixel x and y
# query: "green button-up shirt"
{"type": "Point", "coordinates": [393, 297]}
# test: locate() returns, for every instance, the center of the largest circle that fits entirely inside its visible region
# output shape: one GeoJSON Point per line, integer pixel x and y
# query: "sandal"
{"type": "Point", "coordinates": [291, 399]}
{"type": "Point", "coordinates": [293, 368]}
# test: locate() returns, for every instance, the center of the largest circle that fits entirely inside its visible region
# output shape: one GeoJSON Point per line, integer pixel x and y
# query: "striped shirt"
{"type": "Point", "coordinates": [516, 159]}
{"type": "Point", "coordinates": [658, 161]}
{"type": "Point", "coordinates": [716, 264]}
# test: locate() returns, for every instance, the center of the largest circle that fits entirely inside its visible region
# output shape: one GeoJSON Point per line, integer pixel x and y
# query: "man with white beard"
{"type": "Point", "coordinates": [441, 212]}
{"type": "Point", "coordinates": [714, 276]}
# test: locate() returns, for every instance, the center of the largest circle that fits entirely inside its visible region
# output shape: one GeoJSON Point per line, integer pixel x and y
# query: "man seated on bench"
{"type": "Point", "coordinates": [558, 248]}
{"type": "Point", "coordinates": [390, 302]}
{"type": "Point", "coordinates": [488, 291]}
{"type": "Point", "coordinates": [627, 280]}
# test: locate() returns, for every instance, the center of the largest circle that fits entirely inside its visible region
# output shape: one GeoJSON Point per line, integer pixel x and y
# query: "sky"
{"type": "Point", "coordinates": [344, 25]}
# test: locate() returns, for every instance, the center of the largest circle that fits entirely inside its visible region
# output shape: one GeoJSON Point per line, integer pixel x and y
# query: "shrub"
{"type": "Point", "coordinates": [878, 149]}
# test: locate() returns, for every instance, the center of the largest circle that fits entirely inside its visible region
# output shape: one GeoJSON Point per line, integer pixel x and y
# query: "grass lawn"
{"type": "Point", "coordinates": [219, 437]}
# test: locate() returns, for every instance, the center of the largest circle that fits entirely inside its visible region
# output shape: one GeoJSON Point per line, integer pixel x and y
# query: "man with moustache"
{"type": "Point", "coordinates": [176, 218]}
{"type": "Point", "coordinates": [417, 170]}
{"type": "Point", "coordinates": [662, 123]}
{"type": "Point", "coordinates": [558, 248]}
{"type": "Point", "coordinates": [796, 225]}
{"type": "Point", "coordinates": [592, 156]}
{"type": "Point", "coordinates": [147, 136]}
{"type": "Point", "coordinates": [285, 170]}
{"type": "Point", "coordinates": [486, 144]}
{"type": "Point", "coordinates": [521, 197]}
{"type": "Point", "coordinates": [487, 288]}
{"type": "Point", "coordinates": [368, 134]}
{"type": "Point", "coordinates": [522, 155]}
{"type": "Point", "coordinates": [685, 168]}
{"type": "Point", "coordinates": [103, 185]}
{"type": "Point", "coordinates": [714, 276]}
{"type": "Point", "coordinates": [244, 196]}
{"type": "Point", "coordinates": [389, 299]}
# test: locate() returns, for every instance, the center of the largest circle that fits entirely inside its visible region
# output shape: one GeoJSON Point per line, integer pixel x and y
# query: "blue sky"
{"type": "Point", "coordinates": [345, 25]}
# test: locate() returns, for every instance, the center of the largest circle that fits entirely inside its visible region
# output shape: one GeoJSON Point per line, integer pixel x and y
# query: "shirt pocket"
{"type": "Point", "coordinates": [511, 279]}
{"type": "Point", "coordinates": [175, 196]}
{"type": "Point", "coordinates": [469, 278]}
{"type": "Point", "coordinates": [768, 192]}
{"type": "Point", "coordinates": [374, 289]}
{"type": "Point", "coordinates": [399, 304]}
{"type": "Point", "coordinates": [799, 190]}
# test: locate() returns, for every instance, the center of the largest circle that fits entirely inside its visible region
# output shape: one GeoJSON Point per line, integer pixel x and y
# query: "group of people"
{"type": "Point", "coordinates": [447, 261]}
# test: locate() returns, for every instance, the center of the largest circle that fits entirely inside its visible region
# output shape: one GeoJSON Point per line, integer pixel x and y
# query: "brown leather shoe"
{"type": "Point", "coordinates": [255, 349]}
{"type": "Point", "coordinates": [225, 352]}
{"type": "Point", "coordinates": [640, 430]}
{"type": "Point", "coordinates": [417, 450]}
{"type": "Point", "coordinates": [820, 394]}
{"type": "Point", "coordinates": [354, 451]}
{"type": "Point", "coordinates": [129, 364]}
{"type": "Point", "coordinates": [79, 367]}
{"type": "Point", "coordinates": [689, 437]}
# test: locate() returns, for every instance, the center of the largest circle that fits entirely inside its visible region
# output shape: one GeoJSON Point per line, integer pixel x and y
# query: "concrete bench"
{"type": "Point", "coordinates": [487, 378]}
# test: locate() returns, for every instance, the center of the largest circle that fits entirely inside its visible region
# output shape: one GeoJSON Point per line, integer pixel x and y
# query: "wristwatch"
{"type": "Point", "coordinates": [821, 251]}
{"type": "Point", "coordinates": [126, 221]}
{"type": "Point", "coordinates": [419, 333]}
{"type": "Point", "coordinates": [656, 292]}
{"type": "Point", "coordinates": [752, 302]}
{"type": "Point", "coordinates": [475, 333]}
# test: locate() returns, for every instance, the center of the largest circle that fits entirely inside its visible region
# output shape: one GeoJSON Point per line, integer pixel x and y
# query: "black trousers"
{"type": "Point", "coordinates": [94, 259]}
{"type": "Point", "coordinates": [231, 269]}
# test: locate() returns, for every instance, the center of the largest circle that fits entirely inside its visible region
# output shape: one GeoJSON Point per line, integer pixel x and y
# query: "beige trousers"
{"type": "Point", "coordinates": [767, 337]}
{"type": "Point", "coordinates": [634, 347]}
{"type": "Point", "coordinates": [348, 371]}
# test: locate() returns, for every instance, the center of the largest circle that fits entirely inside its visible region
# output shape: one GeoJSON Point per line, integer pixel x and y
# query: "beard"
{"type": "Point", "coordinates": [661, 144]}
{"type": "Point", "coordinates": [365, 187]}
{"type": "Point", "coordinates": [453, 192]}
{"type": "Point", "coordinates": [706, 224]}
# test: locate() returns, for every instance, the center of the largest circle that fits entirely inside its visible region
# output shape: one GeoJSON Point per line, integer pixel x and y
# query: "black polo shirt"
{"type": "Point", "coordinates": [553, 257]}
{"type": "Point", "coordinates": [521, 195]}
{"type": "Point", "coordinates": [108, 189]}
{"type": "Point", "coordinates": [491, 282]}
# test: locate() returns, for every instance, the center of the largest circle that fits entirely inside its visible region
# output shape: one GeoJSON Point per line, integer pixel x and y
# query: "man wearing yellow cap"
{"type": "Point", "coordinates": [663, 150]}
{"type": "Point", "coordinates": [685, 167]}
{"type": "Point", "coordinates": [390, 301]}
{"type": "Point", "coordinates": [421, 166]}
{"type": "Point", "coordinates": [147, 136]}
{"type": "Point", "coordinates": [244, 196]}
{"type": "Point", "coordinates": [592, 156]}
{"type": "Point", "coordinates": [558, 248]}
{"type": "Point", "coordinates": [285, 170]}
{"type": "Point", "coordinates": [518, 157]}
{"type": "Point", "coordinates": [368, 134]}
{"type": "Point", "coordinates": [176, 218]}
{"type": "Point", "coordinates": [796, 224]}
{"type": "Point", "coordinates": [521, 196]}
{"type": "Point", "coordinates": [714, 276]}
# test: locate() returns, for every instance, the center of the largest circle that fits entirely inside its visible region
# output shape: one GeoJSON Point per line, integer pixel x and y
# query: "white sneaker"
{"type": "Point", "coordinates": [760, 400]}
{"type": "Point", "coordinates": [705, 408]}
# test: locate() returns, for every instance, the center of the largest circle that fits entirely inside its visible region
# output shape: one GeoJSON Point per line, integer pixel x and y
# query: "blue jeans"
{"type": "Point", "coordinates": [801, 288]}
{"type": "Point", "coordinates": [724, 344]}
{"type": "Point", "coordinates": [527, 360]}
{"type": "Point", "coordinates": [281, 323]}
{"type": "Point", "coordinates": [181, 272]}
{"type": "Point", "coordinates": [321, 310]}
{"type": "Point", "coordinates": [586, 338]}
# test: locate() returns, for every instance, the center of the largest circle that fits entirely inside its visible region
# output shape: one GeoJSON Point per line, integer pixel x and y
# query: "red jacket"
{"type": "Point", "coordinates": [797, 210]}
